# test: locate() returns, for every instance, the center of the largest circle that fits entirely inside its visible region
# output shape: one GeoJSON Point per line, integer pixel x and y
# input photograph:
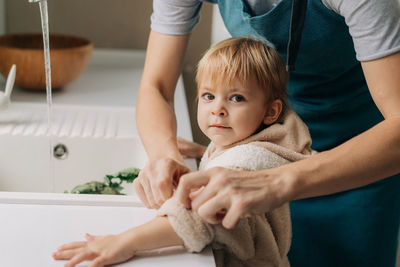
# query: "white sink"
{"type": "Point", "coordinates": [99, 141]}
{"type": "Point", "coordinates": [94, 117]}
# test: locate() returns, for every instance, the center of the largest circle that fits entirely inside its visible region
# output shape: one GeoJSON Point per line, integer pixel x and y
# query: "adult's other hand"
{"type": "Point", "coordinates": [156, 180]}
{"type": "Point", "coordinates": [190, 149]}
{"type": "Point", "coordinates": [229, 195]}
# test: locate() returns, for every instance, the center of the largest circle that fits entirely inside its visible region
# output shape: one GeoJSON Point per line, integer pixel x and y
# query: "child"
{"type": "Point", "coordinates": [242, 109]}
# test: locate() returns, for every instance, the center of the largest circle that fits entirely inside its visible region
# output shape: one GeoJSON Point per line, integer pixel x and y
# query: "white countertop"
{"type": "Point", "coordinates": [33, 225]}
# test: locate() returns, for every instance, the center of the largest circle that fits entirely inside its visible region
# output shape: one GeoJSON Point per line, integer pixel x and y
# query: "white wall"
{"type": "Point", "coordinates": [108, 23]}
{"type": "Point", "coordinates": [2, 17]}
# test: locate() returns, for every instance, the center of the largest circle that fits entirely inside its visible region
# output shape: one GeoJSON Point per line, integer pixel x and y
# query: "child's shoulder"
{"type": "Point", "coordinates": [248, 157]}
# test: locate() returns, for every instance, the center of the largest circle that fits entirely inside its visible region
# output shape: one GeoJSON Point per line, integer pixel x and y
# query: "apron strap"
{"type": "Point", "coordinates": [297, 18]}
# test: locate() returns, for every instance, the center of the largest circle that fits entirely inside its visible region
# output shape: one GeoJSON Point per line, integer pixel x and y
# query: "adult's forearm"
{"type": "Point", "coordinates": [157, 125]}
{"type": "Point", "coordinates": [364, 159]}
{"type": "Point", "coordinates": [155, 108]}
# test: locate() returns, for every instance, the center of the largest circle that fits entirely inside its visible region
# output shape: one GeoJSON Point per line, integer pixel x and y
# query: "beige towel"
{"type": "Point", "coordinates": [261, 240]}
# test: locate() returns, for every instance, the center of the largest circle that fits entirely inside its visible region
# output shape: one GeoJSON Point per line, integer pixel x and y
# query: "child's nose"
{"type": "Point", "coordinates": [218, 110]}
{"type": "Point", "coordinates": [219, 113]}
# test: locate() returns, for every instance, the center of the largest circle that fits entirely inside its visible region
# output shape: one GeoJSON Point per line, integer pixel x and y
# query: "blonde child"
{"type": "Point", "coordinates": [242, 110]}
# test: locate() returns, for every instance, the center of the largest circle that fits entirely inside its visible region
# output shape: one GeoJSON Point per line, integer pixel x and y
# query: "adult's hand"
{"type": "Point", "coordinates": [190, 149]}
{"type": "Point", "coordinates": [155, 117]}
{"type": "Point", "coordinates": [229, 195]}
{"type": "Point", "coordinates": [156, 180]}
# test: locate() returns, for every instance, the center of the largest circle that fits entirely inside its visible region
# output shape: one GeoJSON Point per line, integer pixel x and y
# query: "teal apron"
{"type": "Point", "coordinates": [328, 90]}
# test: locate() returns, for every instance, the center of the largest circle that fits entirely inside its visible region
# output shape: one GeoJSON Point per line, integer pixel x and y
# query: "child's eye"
{"type": "Point", "coordinates": [237, 98]}
{"type": "Point", "coordinates": [207, 96]}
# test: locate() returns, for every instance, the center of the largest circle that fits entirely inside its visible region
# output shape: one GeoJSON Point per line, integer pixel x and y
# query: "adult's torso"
{"type": "Point", "coordinates": [328, 88]}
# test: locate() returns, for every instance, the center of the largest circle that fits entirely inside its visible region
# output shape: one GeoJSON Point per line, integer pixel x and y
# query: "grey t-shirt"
{"type": "Point", "coordinates": [373, 24]}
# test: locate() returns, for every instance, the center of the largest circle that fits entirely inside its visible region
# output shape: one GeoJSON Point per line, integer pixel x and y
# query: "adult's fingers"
{"type": "Point", "coordinates": [169, 172]}
{"type": "Point", "coordinates": [156, 181]}
{"type": "Point", "coordinates": [140, 192]}
{"type": "Point", "coordinates": [147, 188]}
{"type": "Point", "coordinates": [162, 184]}
{"type": "Point", "coordinates": [207, 193]}
{"type": "Point", "coordinates": [183, 146]}
{"type": "Point", "coordinates": [195, 192]}
{"type": "Point", "coordinates": [233, 215]}
{"type": "Point", "coordinates": [210, 211]}
{"type": "Point", "coordinates": [190, 149]}
{"type": "Point", "coordinates": [188, 182]}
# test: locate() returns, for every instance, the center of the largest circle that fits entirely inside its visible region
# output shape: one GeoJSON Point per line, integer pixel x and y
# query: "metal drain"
{"type": "Point", "coordinates": [60, 151]}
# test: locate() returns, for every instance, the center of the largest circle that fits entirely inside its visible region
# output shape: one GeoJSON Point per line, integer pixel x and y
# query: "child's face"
{"type": "Point", "coordinates": [230, 113]}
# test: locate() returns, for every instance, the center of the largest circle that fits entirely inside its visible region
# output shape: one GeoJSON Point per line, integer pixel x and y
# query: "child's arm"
{"type": "Point", "coordinates": [111, 249]}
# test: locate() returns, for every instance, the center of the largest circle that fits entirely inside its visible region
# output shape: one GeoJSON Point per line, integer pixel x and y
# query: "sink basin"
{"type": "Point", "coordinates": [96, 140]}
{"type": "Point", "coordinates": [90, 142]}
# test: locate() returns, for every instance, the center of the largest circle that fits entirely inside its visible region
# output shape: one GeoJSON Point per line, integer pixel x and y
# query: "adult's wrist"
{"type": "Point", "coordinates": [166, 152]}
{"type": "Point", "coordinates": [168, 156]}
{"type": "Point", "coordinates": [287, 182]}
{"type": "Point", "coordinates": [303, 178]}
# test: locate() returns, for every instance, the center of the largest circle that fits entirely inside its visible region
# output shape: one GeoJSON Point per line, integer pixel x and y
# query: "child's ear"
{"type": "Point", "coordinates": [273, 111]}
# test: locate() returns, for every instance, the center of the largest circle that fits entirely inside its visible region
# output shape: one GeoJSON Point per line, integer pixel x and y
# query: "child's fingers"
{"type": "Point", "coordinates": [90, 237]}
{"type": "Point", "coordinates": [78, 258]}
{"type": "Point", "coordinates": [72, 245]}
{"type": "Point", "coordinates": [98, 262]}
{"type": "Point", "coordinates": [66, 254]}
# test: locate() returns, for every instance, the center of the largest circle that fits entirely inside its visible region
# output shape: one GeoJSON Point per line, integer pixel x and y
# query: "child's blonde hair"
{"type": "Point", "coordinates": [244, 58]}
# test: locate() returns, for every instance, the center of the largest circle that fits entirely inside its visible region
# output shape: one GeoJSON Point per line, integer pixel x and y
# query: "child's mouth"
{"type": "Point", "coordinates": [218, 126]}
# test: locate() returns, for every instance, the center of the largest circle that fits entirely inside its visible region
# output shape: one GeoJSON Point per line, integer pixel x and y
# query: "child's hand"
{"type": "Point", "coordinates": [102, 250]}
{"type": "Point", "coordinates": [190, 149]}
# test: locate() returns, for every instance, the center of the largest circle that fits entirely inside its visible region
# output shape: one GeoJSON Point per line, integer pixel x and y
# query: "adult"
{"type": "Point", "coordinates": [346, 87]}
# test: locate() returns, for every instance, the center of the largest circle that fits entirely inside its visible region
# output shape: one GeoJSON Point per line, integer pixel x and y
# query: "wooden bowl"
{"type": "Point", "coordinates": [69, 57]}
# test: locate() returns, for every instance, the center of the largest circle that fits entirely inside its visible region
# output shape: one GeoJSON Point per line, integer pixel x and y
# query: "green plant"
{"type": "Point", "coordinates": [110, 186]}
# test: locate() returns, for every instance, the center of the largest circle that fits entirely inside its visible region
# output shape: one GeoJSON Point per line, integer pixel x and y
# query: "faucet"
{"type": "Point", "coordinates": [34, 1]}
